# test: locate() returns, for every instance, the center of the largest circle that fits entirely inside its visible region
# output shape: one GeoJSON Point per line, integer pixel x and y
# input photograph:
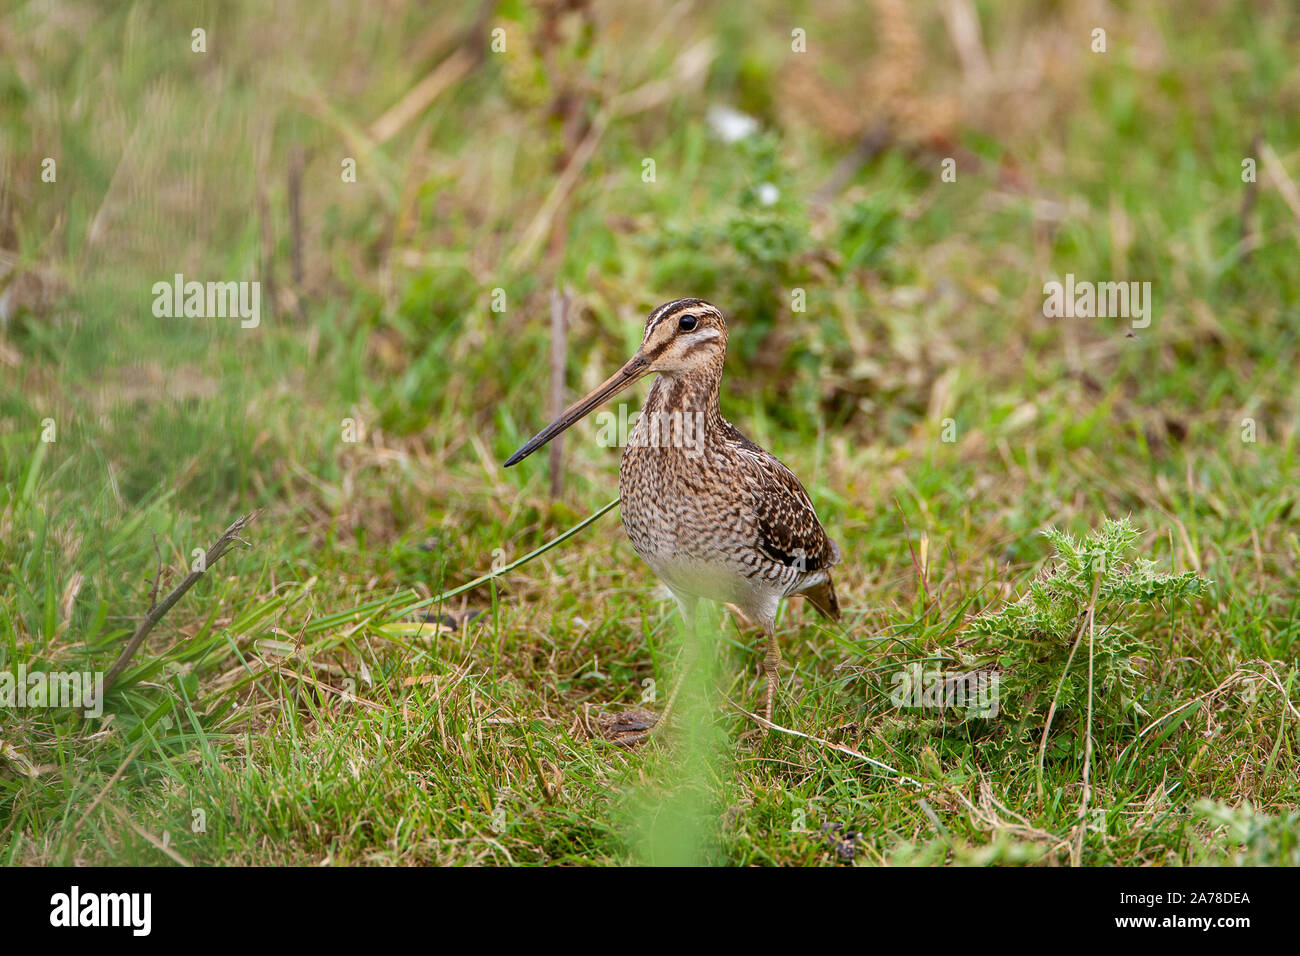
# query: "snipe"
{"type": "Point", "coordinates": [713, 514]}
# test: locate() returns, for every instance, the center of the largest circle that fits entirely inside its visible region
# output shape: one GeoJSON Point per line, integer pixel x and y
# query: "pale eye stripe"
{"type": "Point", "coordinates": [656, 315]}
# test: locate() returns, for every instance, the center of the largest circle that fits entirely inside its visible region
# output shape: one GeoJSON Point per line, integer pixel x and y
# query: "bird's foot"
{"type": "Point", "coordinates": [630, 727]}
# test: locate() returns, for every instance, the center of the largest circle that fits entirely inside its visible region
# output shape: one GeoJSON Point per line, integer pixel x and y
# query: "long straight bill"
{"type": "Point", "coordinates": [629, 373]}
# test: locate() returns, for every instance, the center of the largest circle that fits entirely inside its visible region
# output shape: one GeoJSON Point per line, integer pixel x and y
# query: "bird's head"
{"type": "Point", "coordinates": [681, 337]}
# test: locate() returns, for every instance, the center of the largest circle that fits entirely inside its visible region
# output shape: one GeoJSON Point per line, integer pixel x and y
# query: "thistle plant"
{"type": "Point", "coordinates": [1080, 615]}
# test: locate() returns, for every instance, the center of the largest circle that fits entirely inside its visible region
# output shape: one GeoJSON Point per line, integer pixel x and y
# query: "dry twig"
{"type": "Point", "coordinates": [158, 610]}
{"type": "Point", "coordinates": [560, 304]}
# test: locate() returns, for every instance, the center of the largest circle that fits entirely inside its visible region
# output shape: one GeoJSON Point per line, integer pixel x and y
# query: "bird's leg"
{"type": "Point", "coordinates": [771, 667]}
{"type": "Point", "coordinates": [668, 707]}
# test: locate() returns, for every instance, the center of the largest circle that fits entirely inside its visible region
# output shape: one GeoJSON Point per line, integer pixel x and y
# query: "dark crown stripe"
{"type": "Point", "coordinates": [669, 309]}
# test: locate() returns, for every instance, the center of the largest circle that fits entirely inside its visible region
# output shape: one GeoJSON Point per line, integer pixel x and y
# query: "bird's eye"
{"type": "Point", "coordinates": [687, 323]}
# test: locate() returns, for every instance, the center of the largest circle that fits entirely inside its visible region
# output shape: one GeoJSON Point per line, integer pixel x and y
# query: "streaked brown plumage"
{"type": "Point", "coordinates": [713, 514]}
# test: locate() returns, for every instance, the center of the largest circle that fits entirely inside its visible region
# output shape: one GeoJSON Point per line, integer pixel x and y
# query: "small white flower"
{"type": "Point", "coordinates": [768, 194]}
{"type": "Point", "coordinates": [730, 125]}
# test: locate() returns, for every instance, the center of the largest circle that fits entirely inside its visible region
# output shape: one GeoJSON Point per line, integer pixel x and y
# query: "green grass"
{"type": "Point", "coordinates": [293, 708]}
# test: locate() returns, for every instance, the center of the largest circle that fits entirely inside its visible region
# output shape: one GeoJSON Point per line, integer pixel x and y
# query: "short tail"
{"type": "Point", "coordinates": [822, 597]}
